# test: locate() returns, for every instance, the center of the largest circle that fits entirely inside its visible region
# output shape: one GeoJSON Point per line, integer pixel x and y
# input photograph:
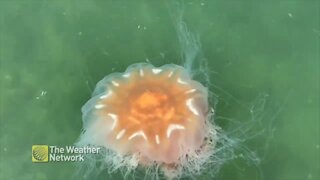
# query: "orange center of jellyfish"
{"type": "Point", "coordinates": [153, 110]}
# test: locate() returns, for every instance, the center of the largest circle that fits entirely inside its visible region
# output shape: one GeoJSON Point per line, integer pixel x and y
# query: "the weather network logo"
{"type": "Point", "coordinates": [50, 153]}
{"type": "Point", "coordinates": [40, 153]}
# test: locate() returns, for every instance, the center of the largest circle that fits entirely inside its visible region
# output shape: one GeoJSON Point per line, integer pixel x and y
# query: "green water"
{"type": "Point", "coordinates": [263, 55]}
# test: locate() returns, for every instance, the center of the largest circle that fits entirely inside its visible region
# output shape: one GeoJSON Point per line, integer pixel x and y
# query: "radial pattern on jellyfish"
{"type": "Point", "coordinates": [158, 112]}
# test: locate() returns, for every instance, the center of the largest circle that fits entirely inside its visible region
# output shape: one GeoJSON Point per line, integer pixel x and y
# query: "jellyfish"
{"type": "Point", "coordinates": [160, 119]}
{"type": "Point", "coordinates": [157, 115]}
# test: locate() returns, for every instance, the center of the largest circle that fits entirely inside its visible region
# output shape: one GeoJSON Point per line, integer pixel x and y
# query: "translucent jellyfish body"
{"type": "Point", "coordinates": [158, 115]}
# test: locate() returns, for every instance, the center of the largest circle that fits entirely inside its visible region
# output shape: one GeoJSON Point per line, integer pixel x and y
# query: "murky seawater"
{"type": "Point", "coordinates": [263, 58]}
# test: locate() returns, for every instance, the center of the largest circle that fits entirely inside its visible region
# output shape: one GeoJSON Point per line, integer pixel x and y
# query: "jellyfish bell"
{"type": "Point", "coordinates": [158, 115]}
